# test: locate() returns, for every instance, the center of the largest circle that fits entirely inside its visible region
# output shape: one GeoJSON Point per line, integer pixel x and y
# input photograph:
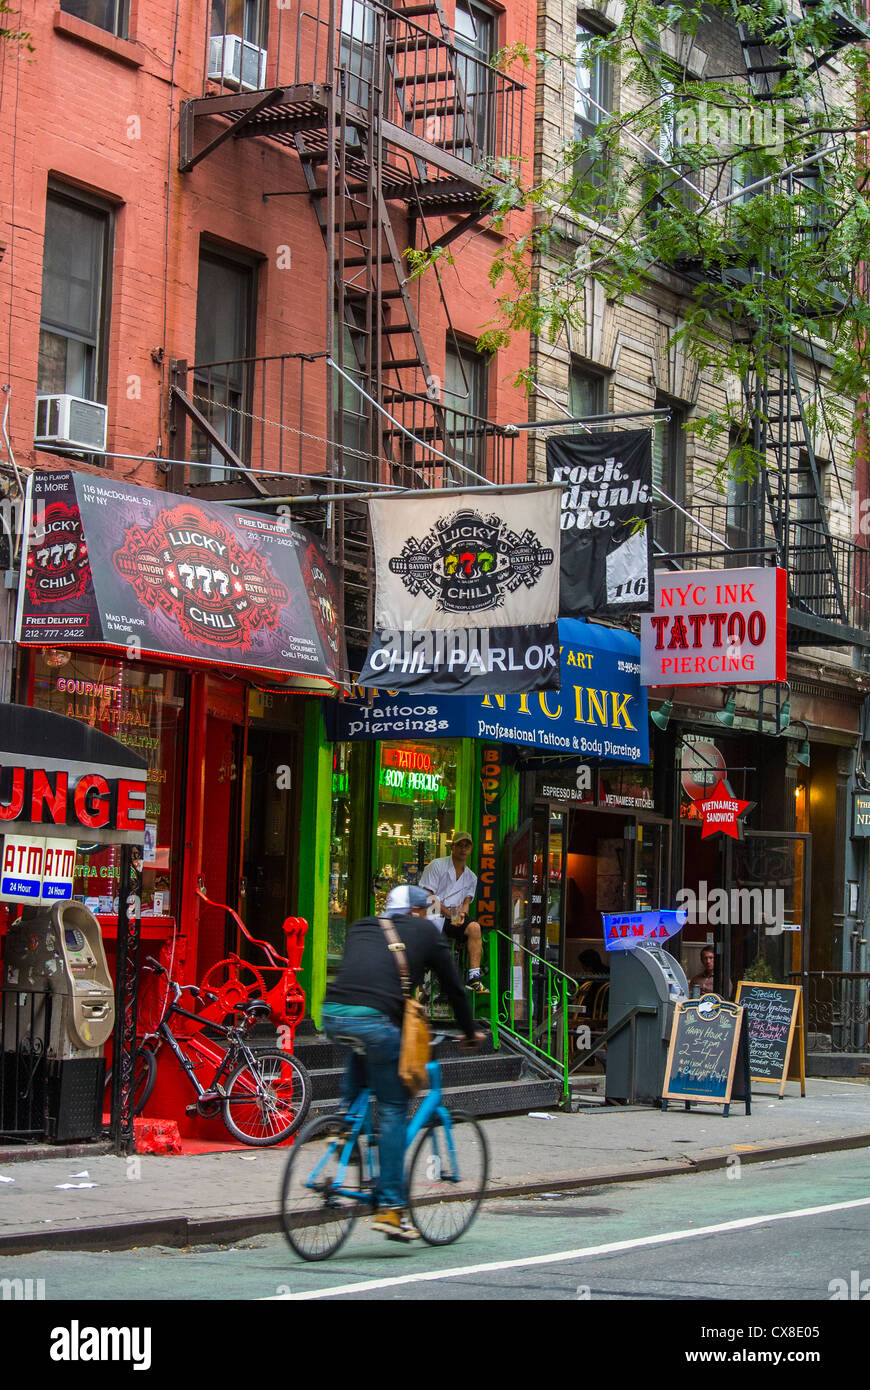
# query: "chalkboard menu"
{"type": "Point", "coordinates": [707, 1054]}
{"type": "Point", "coordinates": [773, 1011]}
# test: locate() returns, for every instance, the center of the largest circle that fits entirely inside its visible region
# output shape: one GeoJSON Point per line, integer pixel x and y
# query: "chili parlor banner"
{"type": "Point", "coordinates": [600, 711]}
{"type": "Point", "coordinates": [129, 568]}
{"type": "Point", "coordinates": [606, 479]}
{"type": "Point", "coordinates": [467, 592]}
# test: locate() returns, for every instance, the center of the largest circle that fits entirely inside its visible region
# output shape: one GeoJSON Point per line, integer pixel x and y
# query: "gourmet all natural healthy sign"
{"type": "Point", "coordinates": [715, 627]}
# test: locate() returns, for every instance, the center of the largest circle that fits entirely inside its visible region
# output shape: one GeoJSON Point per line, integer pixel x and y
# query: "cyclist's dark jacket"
{"type": "Point", "coordinates": [368, 974]}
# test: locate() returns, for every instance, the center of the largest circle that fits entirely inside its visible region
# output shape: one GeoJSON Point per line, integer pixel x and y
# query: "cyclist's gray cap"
{"type": "Point", "coordinates": [402, 899]}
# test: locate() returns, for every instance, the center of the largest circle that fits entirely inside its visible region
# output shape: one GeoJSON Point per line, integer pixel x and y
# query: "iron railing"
{"type": "Point", "coordinates": [829, 576]}
{"type": "Point", "coordinates": [272, 413]}
{"type": "Point", "coordinates": [529, 1000]}
{"type": "Point", "coordinates": [837, 1007]}
{"type": "Point", "coordinates": [25, 1033]}
{"type": "Point", "coordinates": [425, 82]}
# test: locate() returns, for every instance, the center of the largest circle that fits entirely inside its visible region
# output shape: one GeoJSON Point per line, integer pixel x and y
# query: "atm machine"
{"type": "Point", "coordinates": [649, 976]}
{"type": "Point", "coordinates": [63, 946]}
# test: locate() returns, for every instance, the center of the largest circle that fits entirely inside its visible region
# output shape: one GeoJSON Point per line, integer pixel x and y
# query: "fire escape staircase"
{"type": "Point", "coordinates": [820, 579]}
{"type": "Point", "coordinates": [393, 124]}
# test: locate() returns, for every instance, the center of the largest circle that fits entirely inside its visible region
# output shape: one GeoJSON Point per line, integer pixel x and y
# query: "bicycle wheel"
{"type": "Point", "coordinates": [144, 1076]}
{"type": "Point", "coordinates": [267, 1102]}
{"type": "Point", "coordinates": [446, 1188]}
{"type": "Point", "coordinates": [316, 1219]}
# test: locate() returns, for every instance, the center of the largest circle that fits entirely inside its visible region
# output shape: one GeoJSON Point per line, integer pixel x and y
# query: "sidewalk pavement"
{"type": "Point", "coordinates": [100, 1202]}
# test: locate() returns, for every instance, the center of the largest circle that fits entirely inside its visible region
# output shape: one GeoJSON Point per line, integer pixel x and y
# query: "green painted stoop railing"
{"type": "Point", "coordinates": [544, 993]}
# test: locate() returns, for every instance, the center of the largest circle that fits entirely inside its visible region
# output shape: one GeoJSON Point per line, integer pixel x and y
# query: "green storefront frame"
{"type": "Point", "coordinates": [316, 837]}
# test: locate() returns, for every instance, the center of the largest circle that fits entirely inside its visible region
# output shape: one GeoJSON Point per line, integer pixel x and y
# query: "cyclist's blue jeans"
{"type": "Point", "coordinates": [379, 1069]}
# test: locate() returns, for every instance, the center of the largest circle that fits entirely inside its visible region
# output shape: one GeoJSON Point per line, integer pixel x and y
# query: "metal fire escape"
{"type": "Point", "coordinates": [825, 573]}
{"type": "Point", "coordinates": [393, 123]}
{"type": "Point", "coordinates": [788, 520]}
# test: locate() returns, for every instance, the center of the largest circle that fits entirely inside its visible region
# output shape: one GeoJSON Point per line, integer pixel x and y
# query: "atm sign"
{"type": "Point", "coordinates": [34, 870]}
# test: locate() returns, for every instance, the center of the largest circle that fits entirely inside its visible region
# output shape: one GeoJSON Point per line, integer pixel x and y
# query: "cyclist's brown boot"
{"type": "Point", "coordinates": [396, 1224]}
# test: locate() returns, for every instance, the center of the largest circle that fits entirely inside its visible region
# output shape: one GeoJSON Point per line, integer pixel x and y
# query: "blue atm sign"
{"type": "Point", "coordinates": [623, 931]}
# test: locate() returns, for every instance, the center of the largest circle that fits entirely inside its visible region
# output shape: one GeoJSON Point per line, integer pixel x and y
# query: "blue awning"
{"type": "Point", "coordinates": [599, 712]}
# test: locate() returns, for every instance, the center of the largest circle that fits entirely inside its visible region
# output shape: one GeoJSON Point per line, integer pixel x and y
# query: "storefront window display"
{"type": "Point", "coordinates": [408, 814]}
{"type": "Point", "coordinates": [140, 705]}
{"type": "Point", "coordinates": [416, 802]}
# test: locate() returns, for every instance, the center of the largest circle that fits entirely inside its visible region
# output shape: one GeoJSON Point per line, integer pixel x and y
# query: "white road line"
{"type": "Point", "coordinates": [565, 1255]}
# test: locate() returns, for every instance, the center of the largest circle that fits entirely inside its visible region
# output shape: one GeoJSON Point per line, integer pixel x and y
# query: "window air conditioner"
{"type": "Point", "coordinates": [70, 422]}
{"type": "Point", "coordinates": [236, 63]}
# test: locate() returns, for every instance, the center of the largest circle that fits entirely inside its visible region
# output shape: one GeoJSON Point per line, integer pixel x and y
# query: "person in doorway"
{"type": "Point", "coordinates": [703, 981]}
{"type": "Point", "coordinates": [363, 1009]}
{"type": "Point", "coordinates": [454, 885]}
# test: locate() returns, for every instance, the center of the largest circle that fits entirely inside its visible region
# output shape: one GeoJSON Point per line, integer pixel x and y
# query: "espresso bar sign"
{"type": "Point", "coordinates": [715, 627]}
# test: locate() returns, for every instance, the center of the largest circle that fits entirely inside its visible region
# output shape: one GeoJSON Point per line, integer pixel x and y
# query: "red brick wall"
{"type": "Point", "coordinates": [103, 115]}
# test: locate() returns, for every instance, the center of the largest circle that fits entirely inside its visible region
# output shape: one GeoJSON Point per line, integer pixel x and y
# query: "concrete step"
{"type": "Point", "coordinates": [502, 1098]}
{"type": "Point", "coordinates": [471, 1071]}
{"type": "Point", "coordinates": [317, 1053]}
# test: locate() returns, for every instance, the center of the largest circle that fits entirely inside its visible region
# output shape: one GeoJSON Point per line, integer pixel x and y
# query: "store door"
{"type": "Point", "coordinates": [270, 853]}
{"type": "Point", "coordinates": [768, 873]}
{"type": "Point", "coordinates": [224, 741]}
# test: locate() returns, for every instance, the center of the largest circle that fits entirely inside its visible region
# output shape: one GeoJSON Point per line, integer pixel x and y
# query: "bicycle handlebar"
{"type": "Point", "coordinates": [179, 989]}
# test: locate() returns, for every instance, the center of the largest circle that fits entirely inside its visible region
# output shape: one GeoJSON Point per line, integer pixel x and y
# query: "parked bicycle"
{"type": "Point", "coordinates": [263, 1096]}
{"type": "Point", "coordinates": [331, 1174]}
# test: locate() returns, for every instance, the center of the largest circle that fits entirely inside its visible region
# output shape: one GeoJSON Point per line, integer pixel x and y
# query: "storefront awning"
{"type": "Point", "coordinates": [600, 711]}
{"type": "Point", "coordinates": [60, 777]}
{"type": "Point", "coordinates": [143, 572]}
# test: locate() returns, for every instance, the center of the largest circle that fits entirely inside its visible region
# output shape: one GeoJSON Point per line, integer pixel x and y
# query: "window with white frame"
{"type": "Point", "coordinates": [593, 102]}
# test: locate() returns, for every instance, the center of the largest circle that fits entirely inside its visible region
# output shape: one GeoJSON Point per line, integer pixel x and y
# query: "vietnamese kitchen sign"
{"type": "Point", "coordinates": [467, 592]}
{"type": "Point", "coordinates": [132, 569]}
{"type": "Point", "coordinates": [715, 627]}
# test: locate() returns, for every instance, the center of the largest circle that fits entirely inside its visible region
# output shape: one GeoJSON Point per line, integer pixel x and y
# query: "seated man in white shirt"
{"type": "Point", "coordinates": [454, 885]}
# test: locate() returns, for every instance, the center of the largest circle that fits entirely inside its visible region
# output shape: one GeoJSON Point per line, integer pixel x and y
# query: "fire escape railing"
{"type": "Point", "coordinates": [838, 594]}
{"type": "Point", "coordinates": [429, 87]}
{"type": "Point", "coordinates": [268, 415]}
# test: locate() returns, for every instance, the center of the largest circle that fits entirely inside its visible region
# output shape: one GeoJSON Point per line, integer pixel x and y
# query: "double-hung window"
{"type": "Point", "coordinates": [466, 380]}
{"type": "Point", "coordinates": [593, 102]}
{"type": "Point", "coordinates": [223, 373]}
{"type": "Point", "coordinates": [475, 38]}
{"type": "Point", "coordinates": [111, 15]}
{"type": "Point", "coordinates": [73, 329]}
{"type": "Point", "coordinates": [668, 475]}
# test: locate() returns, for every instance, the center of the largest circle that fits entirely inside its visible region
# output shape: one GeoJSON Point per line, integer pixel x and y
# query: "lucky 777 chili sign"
{"type": "Point", "coordinates": [715, 627]}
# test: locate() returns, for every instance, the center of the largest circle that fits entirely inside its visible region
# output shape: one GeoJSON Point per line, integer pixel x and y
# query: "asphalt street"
{"type": "Point", "coordinates": [769, 1232]}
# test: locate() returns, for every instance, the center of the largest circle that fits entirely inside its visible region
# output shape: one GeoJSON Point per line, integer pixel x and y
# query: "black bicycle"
{"type": "Point", "coordinates": [263, 1096]}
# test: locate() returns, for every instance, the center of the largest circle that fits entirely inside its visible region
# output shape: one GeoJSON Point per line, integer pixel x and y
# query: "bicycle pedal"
{"type": "Point", "coordinates": [190, 1109]}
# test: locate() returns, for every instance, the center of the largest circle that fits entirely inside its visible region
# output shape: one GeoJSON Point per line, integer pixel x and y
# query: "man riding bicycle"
{"type": "Point", "coordinates": [364, 1008]}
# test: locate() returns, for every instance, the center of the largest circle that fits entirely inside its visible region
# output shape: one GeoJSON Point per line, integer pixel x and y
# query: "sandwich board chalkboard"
{"type": "Point", "coordinates": [708, 1056]}
{"type": "Point", "coordinates": [774, 1014]}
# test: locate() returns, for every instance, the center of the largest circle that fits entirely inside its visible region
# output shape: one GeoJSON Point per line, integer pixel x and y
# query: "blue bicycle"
{"type": "Point", "coordinates": [332, 1172]}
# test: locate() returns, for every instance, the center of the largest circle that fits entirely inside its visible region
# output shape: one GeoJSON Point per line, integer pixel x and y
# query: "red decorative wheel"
{"type": "Point", "coordinates": [234, 981]}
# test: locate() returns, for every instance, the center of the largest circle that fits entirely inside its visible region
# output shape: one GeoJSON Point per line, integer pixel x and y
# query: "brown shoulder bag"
{"type": "Point", "coordinates": [416, 1039]}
